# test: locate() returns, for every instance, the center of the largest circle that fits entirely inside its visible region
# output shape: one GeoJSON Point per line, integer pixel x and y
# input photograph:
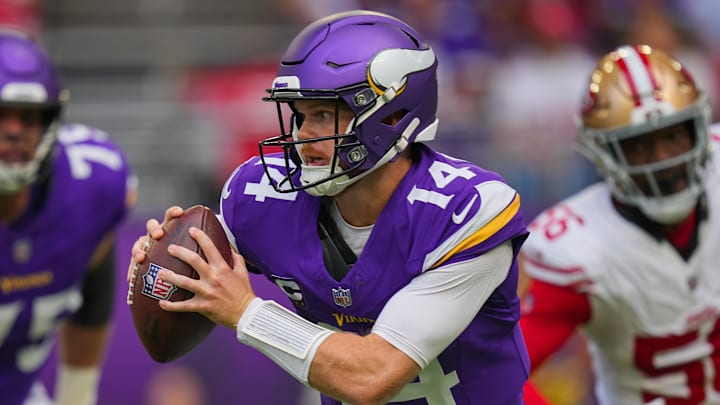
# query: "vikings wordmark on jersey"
{"type": "Point", "coordinates": [466, 211]}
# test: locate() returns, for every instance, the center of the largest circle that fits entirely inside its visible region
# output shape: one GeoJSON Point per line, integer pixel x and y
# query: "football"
{"type": "Point", "coordinates": [169, 335]}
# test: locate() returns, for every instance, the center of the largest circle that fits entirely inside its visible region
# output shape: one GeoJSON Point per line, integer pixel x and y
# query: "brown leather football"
{"type": "Point", "coordinates": [169, 335]}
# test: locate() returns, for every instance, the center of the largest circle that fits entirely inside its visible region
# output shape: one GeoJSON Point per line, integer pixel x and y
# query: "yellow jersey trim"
{"type": "Point", "coordinates": [485, 232]}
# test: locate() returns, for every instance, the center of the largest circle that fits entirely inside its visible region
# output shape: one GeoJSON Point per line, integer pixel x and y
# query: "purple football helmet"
{"type": "Point", "coordinates": [379, 67]}
{"type": "Point", "coordinates": [28, 78]}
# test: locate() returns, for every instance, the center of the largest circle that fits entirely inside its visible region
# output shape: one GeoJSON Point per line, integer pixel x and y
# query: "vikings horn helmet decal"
{"type": "Point", "coordinates": [376, 65]}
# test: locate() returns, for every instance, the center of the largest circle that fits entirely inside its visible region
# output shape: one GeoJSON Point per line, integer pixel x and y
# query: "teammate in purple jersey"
{"type": "Point", "coordinates": [400, 261]}
{"type": "Point", "coordinates": [63, 190]}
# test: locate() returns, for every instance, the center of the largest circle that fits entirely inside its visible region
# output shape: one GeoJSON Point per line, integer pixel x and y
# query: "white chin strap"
{"type": "Point", "coordinates": [671, 209]}
{"type": "Point", "coordinates": [15, 176]}
{"type": "Point", "coordinates": [311, 174]}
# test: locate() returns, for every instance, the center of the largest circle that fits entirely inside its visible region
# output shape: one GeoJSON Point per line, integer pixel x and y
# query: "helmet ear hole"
{"type": "Point", "coordinates": [395, 117]}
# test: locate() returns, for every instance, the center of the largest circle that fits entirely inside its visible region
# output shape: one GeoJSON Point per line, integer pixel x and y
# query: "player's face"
{"type": "Point", "coordinates": [656, 146]}
{"type": "Point", "coordinates": [318, 118]}
{"type": "Point", "coordinates": [20, 133]}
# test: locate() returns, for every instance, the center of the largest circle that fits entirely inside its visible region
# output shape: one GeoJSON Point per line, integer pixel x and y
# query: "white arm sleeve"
{"type": "Point", "coordinates": [447, 299]}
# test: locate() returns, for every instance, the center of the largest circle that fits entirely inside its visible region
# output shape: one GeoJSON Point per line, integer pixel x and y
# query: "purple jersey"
{"type": "Point", "coordinates": [433, 218]}
{"type": "Point", "coordinates": [45, 254]}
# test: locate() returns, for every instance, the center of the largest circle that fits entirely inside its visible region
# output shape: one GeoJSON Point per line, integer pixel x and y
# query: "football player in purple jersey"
{"type": "Point", "coordinates": [400, 261]}
{"type": "Point", "coordinates": [63, 191]}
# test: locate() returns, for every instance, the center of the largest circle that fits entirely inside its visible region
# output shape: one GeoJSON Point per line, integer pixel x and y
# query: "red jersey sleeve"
{"type": "Point", "coordinates": [550, 315]}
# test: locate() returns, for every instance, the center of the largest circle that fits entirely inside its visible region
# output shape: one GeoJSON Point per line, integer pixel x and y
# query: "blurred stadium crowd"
{"type": "Point", "coordinates": [178, 84]}
{"type": "Point", "coordinates": [174, 78]}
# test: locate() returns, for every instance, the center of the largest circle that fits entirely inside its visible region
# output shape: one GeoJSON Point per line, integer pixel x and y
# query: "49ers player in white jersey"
{"type": "Point", "coordinates": [633, 261]}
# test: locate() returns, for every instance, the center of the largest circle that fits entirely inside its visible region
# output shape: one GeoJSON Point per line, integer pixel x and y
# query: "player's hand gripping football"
{"type": "Point", "coordinates": [221, 293]}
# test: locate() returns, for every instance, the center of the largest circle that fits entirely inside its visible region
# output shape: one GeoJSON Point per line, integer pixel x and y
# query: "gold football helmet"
{"type": "Point", "coordinates": [634, 91]}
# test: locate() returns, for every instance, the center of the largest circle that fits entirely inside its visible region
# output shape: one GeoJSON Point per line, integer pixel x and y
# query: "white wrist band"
{"type": "Point", "coordinates": [283, 336]}
{"type": "Point", "coordinates": [76, 385]}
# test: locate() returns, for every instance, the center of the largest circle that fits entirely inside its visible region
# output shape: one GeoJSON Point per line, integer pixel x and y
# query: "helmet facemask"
{"type": "Point", "coordinates": [612, 119]}
{"type": "Point", "coordinates": [388, 82]}
{"type": "Point", "coordinates": [15, 176]}
{"type": "Point", "coordinates": [650, 186]}
{"type": "Point", "coordinates": [28, 80]}
{"type": "Point", "coordinates": [348, 154]}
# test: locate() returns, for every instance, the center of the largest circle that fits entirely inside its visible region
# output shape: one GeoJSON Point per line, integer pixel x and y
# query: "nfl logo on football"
{"type": "Point", "coordinates": [155, 287]}
{"type": "Point", "coordinates": [342, 297]}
